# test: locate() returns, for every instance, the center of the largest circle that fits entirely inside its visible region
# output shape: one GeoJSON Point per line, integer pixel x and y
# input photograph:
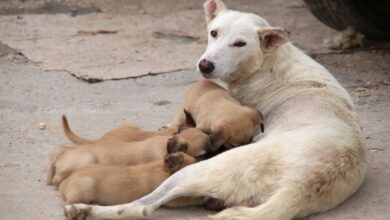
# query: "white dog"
{"type": "Point", "coordinates": [311, 156]}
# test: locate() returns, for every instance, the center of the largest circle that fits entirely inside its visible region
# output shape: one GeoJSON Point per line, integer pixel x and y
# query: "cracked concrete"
{"type": "Point", "coordinates": [30, 94]}
{"type": "Point", "coordinates": [52, 33]}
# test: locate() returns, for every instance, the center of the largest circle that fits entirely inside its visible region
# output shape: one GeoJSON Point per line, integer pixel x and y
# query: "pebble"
{"type": "Point", "coordinates": [41, 126]}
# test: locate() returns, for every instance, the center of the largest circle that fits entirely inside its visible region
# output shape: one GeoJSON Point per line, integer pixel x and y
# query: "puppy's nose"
{"type": "Point", "coordinates": [206, 66]}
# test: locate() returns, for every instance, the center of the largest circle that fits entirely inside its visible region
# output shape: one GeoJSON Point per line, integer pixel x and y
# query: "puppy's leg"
{"type": "Point", "coordinates": [78, 189]}
{"type": "Point", "coordinates": [52, 169]}
{"type": "Point", "coordinates": [71, 161]}
{"type": "Point", "coordinates": [175, 186]}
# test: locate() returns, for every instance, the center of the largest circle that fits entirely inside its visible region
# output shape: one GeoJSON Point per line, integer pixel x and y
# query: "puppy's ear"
{"type": "Point", "coordinates": [174, 145]}
{"type": "Point", "coordinates": [259, 119]}
{"type": "Point", "coordinates": [217, 139]}
{"type": "Point", "coordinates": [173, 161]}
{"type": "Point", "coordinates": [171, 145]}
{"type": "Point", "coordinates": [212, 8]}
{"type": "Point", "coordinates": [183, 147]}
{"type": "Point", "coordinates": [272, 38]}
{"type": "Point", "coordinates": [189, 119]}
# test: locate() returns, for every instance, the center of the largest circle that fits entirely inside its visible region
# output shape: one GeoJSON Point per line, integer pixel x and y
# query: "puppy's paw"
{"type": "Point", "coordinates": [76, 212]}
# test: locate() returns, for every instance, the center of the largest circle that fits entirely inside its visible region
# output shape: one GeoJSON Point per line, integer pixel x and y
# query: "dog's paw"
{"type": "Point", "coordinates": [76, 212]}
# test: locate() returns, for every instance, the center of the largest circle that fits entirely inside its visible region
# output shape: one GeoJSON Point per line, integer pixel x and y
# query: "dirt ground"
{"type": "Point", "coordinates": [54, 61]}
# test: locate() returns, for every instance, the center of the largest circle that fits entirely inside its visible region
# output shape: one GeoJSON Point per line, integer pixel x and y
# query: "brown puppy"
{"type": "Point", "coordinates": [66, 160]}
{"type": "Point", "coordinates": [125, 133]}
{"type": "Point", "coordinates": [217, 113]}
{"type": "Point", "coordinates": [110, 184]}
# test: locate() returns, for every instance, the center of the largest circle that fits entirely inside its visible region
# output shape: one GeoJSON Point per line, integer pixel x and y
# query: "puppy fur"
{"type": "Point", "coordinates": [217, 113]}
{"type": "Point", "coordinates": [115, 184]}
{"type": "Point", "coordinates": [66, 160]}
{"type": "Point", "coordinates": [125, 133]}
{"type": "Point", "coordinates": [311, 157]}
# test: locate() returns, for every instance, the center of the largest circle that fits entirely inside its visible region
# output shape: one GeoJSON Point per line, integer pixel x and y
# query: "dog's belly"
{"type": "Point", "coordinates": [246, 175]}
{"type": "Point", "coordinates": [315, 158]}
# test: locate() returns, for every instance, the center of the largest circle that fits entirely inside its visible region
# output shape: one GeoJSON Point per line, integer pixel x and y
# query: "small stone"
{"type": "Point", "coordinates": [11, 56]}
{"type": "Point", "coordinates": [41, 126]}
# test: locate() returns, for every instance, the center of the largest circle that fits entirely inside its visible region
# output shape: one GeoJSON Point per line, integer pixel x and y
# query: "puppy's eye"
{"type": "Point", "coordinates": [239, 44]}
{"type": "Point", "coordinates": [214, 33]}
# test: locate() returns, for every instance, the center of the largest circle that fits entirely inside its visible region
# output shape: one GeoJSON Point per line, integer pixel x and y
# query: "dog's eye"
{"type": "Point", "coordinates": [214, 33]}
{"type": "Point", "coordinates": [239, 44]}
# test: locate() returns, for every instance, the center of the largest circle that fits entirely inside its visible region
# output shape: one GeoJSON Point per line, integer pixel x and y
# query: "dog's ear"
{"type": "Point", "coordinates": [173, 161]}
{"type": "Point", "coordinates": [171, 145]}
{"type": "Point", "coordinates": [212, 8]}
{"type": "Point", "coordinates": [261, 120]}
{"type": "Point", "coordinates": [217, 139]}
{"type": "Point", "coordinates": [271, 38]}
{"type": "Point", "coordinates": [189, 119]}
{"type": "Point", "coordinates": [174, 145]}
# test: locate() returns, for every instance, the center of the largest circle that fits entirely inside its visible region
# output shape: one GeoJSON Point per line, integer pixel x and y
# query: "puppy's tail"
{"type": "Point", "coordinates": [52, 169]}
{"type": "Point", "coordinates": [72, 136]}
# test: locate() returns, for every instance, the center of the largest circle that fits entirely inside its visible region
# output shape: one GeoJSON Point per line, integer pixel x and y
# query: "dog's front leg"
{"type": "Point", "coordinates": [175, 186]}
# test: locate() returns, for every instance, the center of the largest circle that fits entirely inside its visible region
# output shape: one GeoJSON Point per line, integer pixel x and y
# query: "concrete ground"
{"type": "Point", "coordinates": [38, 87]}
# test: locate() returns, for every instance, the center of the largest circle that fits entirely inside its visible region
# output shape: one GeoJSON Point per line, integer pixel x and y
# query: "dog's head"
{"type": "Point", "coordinates": [178, 160]}
{"type": "Point", "coordinates": [236, 130]}
{"type": "Point", "coordinates": [237, 42]}
{"type": "Point", "coordinates": [191, 141]}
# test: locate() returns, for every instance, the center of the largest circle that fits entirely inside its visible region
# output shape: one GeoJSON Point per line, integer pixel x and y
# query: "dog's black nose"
{"type": "Point", "coordinates": [206, 66]}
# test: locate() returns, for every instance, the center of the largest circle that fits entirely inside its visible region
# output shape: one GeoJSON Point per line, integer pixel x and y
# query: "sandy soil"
{"type": "Point", "coordinates": [30, 93]}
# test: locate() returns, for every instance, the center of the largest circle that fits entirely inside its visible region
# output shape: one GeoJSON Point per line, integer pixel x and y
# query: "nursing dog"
{"type": "Point", "coordinates": [311, 157]}
{"type": "Point", "coordinates": [215, 112]}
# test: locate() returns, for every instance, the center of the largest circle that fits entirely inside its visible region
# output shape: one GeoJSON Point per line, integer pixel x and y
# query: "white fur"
{"type": "Point", "coordinates": [311, 156]}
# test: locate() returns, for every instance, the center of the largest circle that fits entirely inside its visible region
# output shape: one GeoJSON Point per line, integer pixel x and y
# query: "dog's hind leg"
{"type": "Point", "coordinates": [285, 204]}
{"type": "Point", "coordinates": [174, 187]}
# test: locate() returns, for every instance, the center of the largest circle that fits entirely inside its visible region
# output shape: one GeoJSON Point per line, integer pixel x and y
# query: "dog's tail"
{"type": "Point", "coordinates": [52, 169]}
{"type": "Point", "coordinates": [72, 136]}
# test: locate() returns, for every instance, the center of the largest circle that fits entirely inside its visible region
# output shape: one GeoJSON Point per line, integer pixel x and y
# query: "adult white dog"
{"type": "Point", "coordinates": [311, 156]}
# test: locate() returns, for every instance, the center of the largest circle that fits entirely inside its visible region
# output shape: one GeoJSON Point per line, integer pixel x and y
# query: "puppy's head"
{"type": "Point", "coordinates": [191, 141]}
{"type": "Point", "coordinates": [236, 130]}
{"type": "Point", "coordinates": [178, 160]}
{"type": "Point", "coordinates": [237, 42]}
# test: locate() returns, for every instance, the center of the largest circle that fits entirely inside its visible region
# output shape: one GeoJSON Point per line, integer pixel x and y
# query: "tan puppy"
{"type": "Point", "coordinates": [125, 133]}
{"type": "Point", "coordinates": [113, 184]}
{"type": "Point", "coordinates": [66, 160]}
{"type": "Point", "coordinates": [217, 113]}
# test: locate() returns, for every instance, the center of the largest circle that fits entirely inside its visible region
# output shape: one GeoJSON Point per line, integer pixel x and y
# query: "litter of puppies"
{"type": "Point", "coordinates": [128, 163]}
